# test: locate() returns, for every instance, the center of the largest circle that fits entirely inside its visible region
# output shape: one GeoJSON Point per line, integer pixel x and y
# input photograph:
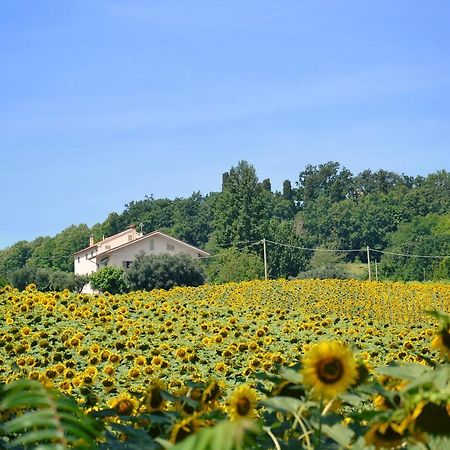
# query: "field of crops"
{"type": "Point", "coordinates": [103, 348]}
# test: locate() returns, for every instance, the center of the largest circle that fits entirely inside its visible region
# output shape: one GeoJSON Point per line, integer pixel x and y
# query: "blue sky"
{"type": "Point", "coordinates": [106, 101]}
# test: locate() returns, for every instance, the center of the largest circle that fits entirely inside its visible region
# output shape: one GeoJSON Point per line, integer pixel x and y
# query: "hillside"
{"type": "Point", "coordinates": [327, 207]}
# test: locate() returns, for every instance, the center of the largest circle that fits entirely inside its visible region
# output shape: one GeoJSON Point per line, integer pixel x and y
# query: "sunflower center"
{"type": "Point", "coordinates": [446, 337]}
{"type": "Point", "coordinates": [243, 406]}
{"type": "Point", "coordinates": [125, 407]}
{"type": "Point", "coordinates": [389, 435]}
{"type": "Point", "coordinates": [330, 370]}
{"type": "Point", "coordinates": [156, 398]}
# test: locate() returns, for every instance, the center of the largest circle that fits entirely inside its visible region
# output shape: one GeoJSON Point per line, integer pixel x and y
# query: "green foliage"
{"type": "Point", "coordinates": [327, 180]}
{"type": "Point", "coordinates": [15, 257]}
{"type": "Point", "coordinates": [240, 210]}
{"type": "Point", "coordinates": [22, 277]}
{"type": "Point", "coordinates": [46, 279]}
{"type": "Point", "coordinates": [37, 417]}
{"type": "Point", "coordinates": [224, 435]}
{"type": "Point", "coordinates": [62, 280]}
{"type": "Point", "coordinates": [442, 271]}
{"type": "Point", "coordinates": [234, 265]}
{"type": "Point", "coordinates": [326, 265]}
{"type": "Point", "coordinates": [329, 207]}
{"type": "Point", "coordinates": [163, 272]}
{"type": "Point", "coordinates": [3, 281]}
{"type": "Point", "coordinates": [109, 279]}
{"type": "Point", "coordinates": [285, 261]}
{"type": "Point", "coordinates": [422, 236]}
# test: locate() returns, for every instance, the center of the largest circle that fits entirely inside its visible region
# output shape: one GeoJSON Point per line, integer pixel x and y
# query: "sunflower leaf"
{"type": "Point", "coordinates": [339, 433]}
{"type": "Point", "coordinates": [285, 404]}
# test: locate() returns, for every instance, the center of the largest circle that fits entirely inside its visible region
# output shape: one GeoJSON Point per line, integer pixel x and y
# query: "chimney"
{"type": "Point", "coordinates": [91, 240]}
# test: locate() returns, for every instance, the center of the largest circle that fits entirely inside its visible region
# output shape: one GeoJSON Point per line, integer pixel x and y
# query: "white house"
{"type": "Point", "coordinates": [121, 249]}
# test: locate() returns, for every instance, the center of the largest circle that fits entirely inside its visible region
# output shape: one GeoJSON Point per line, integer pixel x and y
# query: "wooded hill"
{"type": "Point", "coordinates": [326, 207]}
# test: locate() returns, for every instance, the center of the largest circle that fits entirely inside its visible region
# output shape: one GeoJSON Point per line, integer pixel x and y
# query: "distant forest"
{"type": "Point", "coordinates": [327, 207]}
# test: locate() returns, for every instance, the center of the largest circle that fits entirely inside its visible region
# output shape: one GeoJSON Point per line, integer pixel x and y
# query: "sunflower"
{"type": "Point", "coordinates": [390, 435]}
{"type": "Point", "coordinates": [153, 399]}
{"type": "Point", "coordinates": [124, 404]}
{"type": "Point", "coordinates": [184, 429]}
{"type": "Point", "coordinates": [242, 403]}
{"type": "Point", "coordinates": [134, 372]}
{"type": "Point", "coordinates": [441, 342]}
{"type": "Point", "coordinates": [211, 393]}
{"type": "Point", "coordinates": [329, 367]}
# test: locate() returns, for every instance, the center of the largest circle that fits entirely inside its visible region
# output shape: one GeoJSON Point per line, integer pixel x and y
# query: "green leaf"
{"type": "Point", "coordinates": [291, 375]}
{"type": "Point", "coordinates": [407, 371]}
{"type": "Point", "coordinates": [285, 404]}
{"type": "Point", "coordinates": [28, 420]}
{"type": "Point", "coordinates": [443, 317]}
{"type": "Point", "coordinates": [37, 436]}
{"type": "Point", "coordinates": [339, 433]}
{"type": "Point", "coordinates": [24, 399]}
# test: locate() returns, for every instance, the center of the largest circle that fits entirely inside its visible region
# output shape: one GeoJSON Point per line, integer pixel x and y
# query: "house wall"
{"type": "Point", "coordinates": [118, 239]}
{"type": "Point", "coordinates": [155, 245]}
{"type": "Point", "coordinates": [83, 265]}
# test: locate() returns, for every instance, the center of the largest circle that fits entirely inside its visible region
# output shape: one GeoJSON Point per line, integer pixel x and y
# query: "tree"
{"type": "Point", "coordinates": [62, 280]}
{"type": "Point", "coordinates": [192, 220]}
{"type": "Point", "coordinates": [325, 265]}
{"type": "Point", "coordinates": [163, 272]}
{"type": "Point", "coordinates": [234, 265]}
{"type": "Point", "coordinates": [240, 211]}
{"type": "Point", "coordinates": [442, 271]}
{"type": "Point", "coordinates": [113, 224]}
{"type": "Point", "coordinates": [285, 260]}
{"type": "Point", "coordinates": [287, 190]}
{"type": "Point", "coordinates": [15, 257]}
{"type": "Point", "coordinates": [325, 180]}
{"type": "Point", "coordinates": [428, 236]}
{"type": "Point", "coordinates": [21, 278]}
{"type": "Point", "coordinates": [266, 184]}
{"type": "Point", "coordinates": [109, 279]}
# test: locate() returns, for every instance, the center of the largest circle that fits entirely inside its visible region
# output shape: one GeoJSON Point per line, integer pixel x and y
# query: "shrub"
{"type": "Point", "coordinates": [163, 272]}
{"type": "Point", "coordinates": [109, 279]}
{"type": "Point", "coordinates": [234, 265]}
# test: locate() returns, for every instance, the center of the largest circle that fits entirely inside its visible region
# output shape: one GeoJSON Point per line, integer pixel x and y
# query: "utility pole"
{"type": "Point", "coordinates": [376, 270]}
{"type": "Point", "coordinates": [265, 258]}
{"type": "Point", "coordinates": [368, 263]}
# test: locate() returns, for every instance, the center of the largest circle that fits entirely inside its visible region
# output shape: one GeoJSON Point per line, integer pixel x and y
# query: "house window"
{"type": "Point", "coordinates": [170, 247]}
{"type": "Point", "coordinates": [107, 247]}
{"type": "Point", "coordinates": [151, 244]}
{"type": "Point", "coordinates": [130, 238]}
{"type": "Point", "coordinates": [86, 256]}
{"type": "Point", "coordinates": [126, 264]}
{"type": "Point", "coordinates": [103, 262]}
{"type": "Point", "coordinates": [92, 254]}
{"type": "Point", "coordinates": [78, 260]}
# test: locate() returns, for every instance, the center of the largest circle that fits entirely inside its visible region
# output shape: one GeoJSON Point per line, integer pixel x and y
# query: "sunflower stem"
{"type": "Point", "coordinates": [272, 436]}
{"type": "Point", "coordinates": [328, 407]}
{"type": "Point", "coordinates": [319, 431]}
{"type": "Point", "coordinates": [306, 433]}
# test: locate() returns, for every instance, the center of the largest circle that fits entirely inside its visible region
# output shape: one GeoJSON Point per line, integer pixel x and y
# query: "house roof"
{"type": "Point", "coordinates": [153, 234]}
{"type": "Point", "coordinates": [140, 239]}
{"type": "Point", "coordinates": [109, 238]}
{"type": "Point", "coordinates": [91, 247]}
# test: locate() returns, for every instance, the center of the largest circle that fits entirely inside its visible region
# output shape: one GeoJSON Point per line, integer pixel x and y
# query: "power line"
{"type": "Point", "coordinates": [409, 255]}
{"type": "Point", "coordinates": [219, 255]}
{"type": "Point", "coordinates": [319, 249]}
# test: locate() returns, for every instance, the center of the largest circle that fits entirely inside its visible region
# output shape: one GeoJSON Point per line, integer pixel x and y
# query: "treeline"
{"type": "Point", "coordinates": [326, 207]}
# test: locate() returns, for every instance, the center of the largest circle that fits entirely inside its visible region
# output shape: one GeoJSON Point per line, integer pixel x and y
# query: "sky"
{"type": "Point", "coordinates": [106, 101]}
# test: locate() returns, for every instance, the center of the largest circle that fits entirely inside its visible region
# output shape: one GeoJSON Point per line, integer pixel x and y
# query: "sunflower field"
{"type": "Point", "coordinates": [256, 365]}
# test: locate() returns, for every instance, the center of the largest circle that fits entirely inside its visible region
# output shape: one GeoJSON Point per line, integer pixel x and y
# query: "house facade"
{"type": "Point", "coordinates": [121, 249]}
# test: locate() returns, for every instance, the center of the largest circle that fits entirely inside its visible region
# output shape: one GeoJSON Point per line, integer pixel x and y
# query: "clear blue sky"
{"type": "Point", "coordinates": [106, 101]}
